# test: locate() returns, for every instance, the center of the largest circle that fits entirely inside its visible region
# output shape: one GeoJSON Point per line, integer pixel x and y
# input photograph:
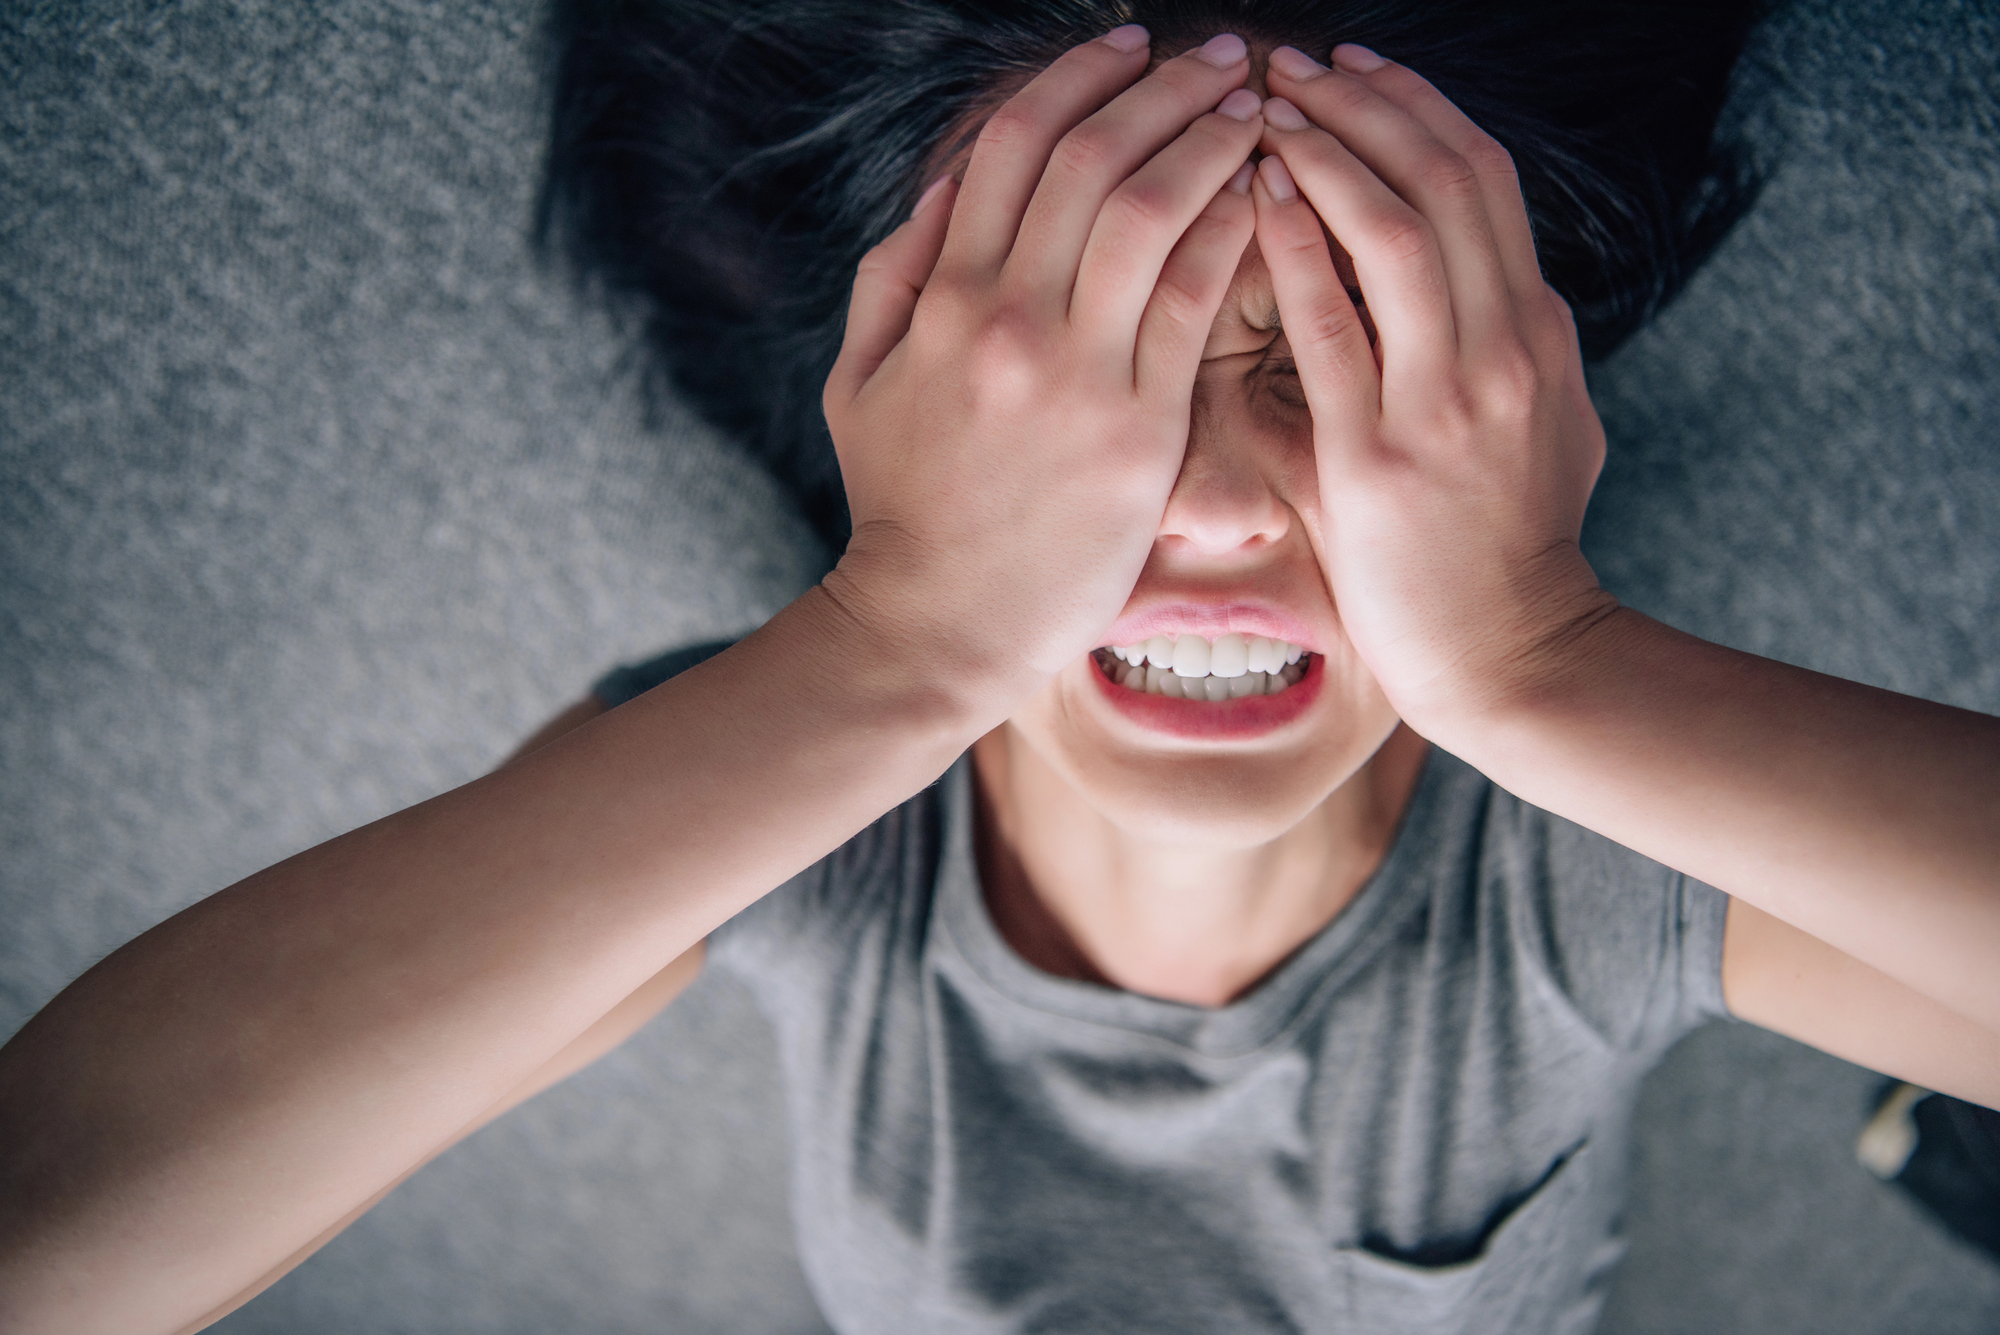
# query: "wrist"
{"type": "Point", "coordinates": [1572, 680]}
{"type": "Point", "coordinates": [1564, 636]}
{"type": "Point", "coordinates": [884, 673]}
{"type": "Point", "coordinates": [905, 612]}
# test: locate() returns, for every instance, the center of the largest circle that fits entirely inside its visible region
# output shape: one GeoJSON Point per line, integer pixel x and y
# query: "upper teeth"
{"type": "Point", "coordinates": [1195, 656]}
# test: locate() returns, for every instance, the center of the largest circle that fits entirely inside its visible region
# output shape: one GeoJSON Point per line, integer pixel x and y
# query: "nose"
{"type": "Point", "coordinates": [1223, 501]}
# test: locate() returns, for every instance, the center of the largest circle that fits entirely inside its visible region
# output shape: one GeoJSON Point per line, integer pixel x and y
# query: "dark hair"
{"type": "Point", "coordinates": [732, 160]}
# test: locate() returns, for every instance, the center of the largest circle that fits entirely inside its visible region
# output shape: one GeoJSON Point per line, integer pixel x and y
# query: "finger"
{"type": "Point", "coordinates": [1506, 209]}
{"type": "Point", "coordinates": [1328, 340]}
{"type": "Point", "coordinates": [1443, 185]}
{"type": "Point", "coordinates": [1091, 162]}
{"type": "Point", "coordinates": [886, 286]}
{"type": "Point", "coordinates": [1014, 145]}
{"type": "Point", "coordinates": [1395, 250]}
{"type": "Point", "coordinates": [1143, 221]}
{"type": "Point", "coordinates": [1180, 310]}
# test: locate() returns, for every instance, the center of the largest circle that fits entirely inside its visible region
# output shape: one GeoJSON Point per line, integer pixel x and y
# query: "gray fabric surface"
{"type": "Point", "coordinates": [1417, 1123]}
{"type": "Point", "coordinates": [315, 495]}
{"type": "Point", "coordinates": [317, 498]}
{"type": "Point", "coordinates": [1803, 464]}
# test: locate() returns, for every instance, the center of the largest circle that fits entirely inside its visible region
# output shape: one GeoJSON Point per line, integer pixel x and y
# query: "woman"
{"type": "Point", "coordinates": [1257, 1011]}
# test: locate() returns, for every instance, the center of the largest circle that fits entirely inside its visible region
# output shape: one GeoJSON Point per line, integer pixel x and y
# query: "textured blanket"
{"type": "Point", "coordinates": [316, 494]}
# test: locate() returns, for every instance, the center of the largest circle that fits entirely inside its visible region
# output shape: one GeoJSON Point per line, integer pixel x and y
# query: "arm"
{"type": "Point", "coordinates": [1454, 474]}
{"type": "Point", "coordinates": [212, 1097]}
{"type": "Point", "coordinates": [1795, 984]}
{"type": "Point", "coordinates": [625, 1019]}
{"type": "Point", "coordinates": [1867, 820]}
{"type": "Point", "coordinates": [620, 1023]}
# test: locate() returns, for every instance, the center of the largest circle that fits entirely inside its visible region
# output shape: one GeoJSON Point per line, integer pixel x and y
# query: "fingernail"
{"type": "Point", "coordinates": [1240, 105]}
{"type": "Point", "coordinates": [1295, 64]}
{"type": "Point", "coordinates": [1283, 114]}
{"type": "Point", "coordinates": [1127, 39]}
{"type": "Point", "coordinates": [1277, 180]}
{"type": "Point", "coordinates": [930, 193]}
{"type": "Point", "coordinates": [1240, 183]}
{"type": "Point", "coordinates": [1357, 59]}
{"type": "Point", "coordinates": [1223, 51]}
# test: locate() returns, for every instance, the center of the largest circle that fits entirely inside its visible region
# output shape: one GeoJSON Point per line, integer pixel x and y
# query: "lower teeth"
{"type": "Point", "coordinates": [1162, 681]}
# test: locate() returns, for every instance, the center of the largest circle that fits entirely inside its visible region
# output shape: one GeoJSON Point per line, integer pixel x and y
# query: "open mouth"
{"type": "Point", "coordinates": [1193, 667]}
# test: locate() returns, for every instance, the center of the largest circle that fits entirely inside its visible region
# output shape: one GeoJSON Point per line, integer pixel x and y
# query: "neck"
{"type": "Point", "coordinates": [1079, 897]}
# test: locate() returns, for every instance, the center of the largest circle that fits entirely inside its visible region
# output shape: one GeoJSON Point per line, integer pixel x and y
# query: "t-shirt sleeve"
{"type": "Point", "coordinates": [1635, 945]}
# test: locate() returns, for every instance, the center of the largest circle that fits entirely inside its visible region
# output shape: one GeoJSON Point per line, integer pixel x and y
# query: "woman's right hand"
{"type": "Point", "coordinates": [1011, 403]}
{"type": "Point", "coordinates": [200, 1108]}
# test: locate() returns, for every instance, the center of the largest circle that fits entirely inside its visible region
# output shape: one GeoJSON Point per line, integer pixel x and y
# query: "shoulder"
{"type": "Point", "coordinates": [1635, 946]}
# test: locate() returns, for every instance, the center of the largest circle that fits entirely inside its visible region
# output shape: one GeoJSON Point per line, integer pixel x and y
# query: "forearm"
{"type": "Point", "coordinates": [623, 1020]}
{"type": "Point", "coordinates": [216, 1093]}
{"type": "Point", "coordinates": [1869, 819]}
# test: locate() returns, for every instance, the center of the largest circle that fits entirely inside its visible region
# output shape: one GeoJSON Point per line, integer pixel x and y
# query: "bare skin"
{"type": "Point", "coordinates": [1052, 423]}
{"type": "Point", "coordinates": [1184, 869]}
{"type": "Point", "coordinates": [304, 1038]}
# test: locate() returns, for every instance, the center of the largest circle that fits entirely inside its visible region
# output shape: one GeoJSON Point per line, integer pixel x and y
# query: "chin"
{"type": "Point", "coordinates": [1189, 805]}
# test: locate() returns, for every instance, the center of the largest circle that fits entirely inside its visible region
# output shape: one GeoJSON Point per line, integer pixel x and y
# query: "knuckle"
{"type": "Point", "coordinates": [1227, 215]}
{"type": "Point", "coordinates": [1004, 354]}
{"type": "Point", "coordinates": [1187, 79]}
{"type": "Point", "coordinates": [1178, 303]}
{"type": "Point", "coordinates": [1339, 95]}
{"type": "Point", "coordinates": [1400, 80]}
{"type": "Point", "coordinates": [1301, 241]}
{"type": "Point", "coordinates": [1490, 158]}
{"type": "Point", "coordinates": [1446, 173]}
{"type": "Point", "coordinates": [1327, 325]}
{"type": "Point", "coordinates": [1294, 248]}
{"type": "Point", "coordinates": [877, 260]}
{"type": "Point", "coordinates": [1085, 151]}
{"type": "Point", "coordinates": [1142, 205]}
{"type": "Point", "coordinates": [1012, 125]}
{"type": "Point", "coordinates": [1400, 236]}
{"type": "Point", "coordinates": [1510, 379]}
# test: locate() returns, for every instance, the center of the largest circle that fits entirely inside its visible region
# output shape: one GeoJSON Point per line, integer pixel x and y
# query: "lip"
{"type": "Point", "coordinates": [1220, 721]}
{"type": "Point", "coordinates": [1211, 620]}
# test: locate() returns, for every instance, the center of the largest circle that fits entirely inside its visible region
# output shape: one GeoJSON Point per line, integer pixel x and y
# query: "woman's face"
{"type": "Point", "coordinates": [1237, 552]}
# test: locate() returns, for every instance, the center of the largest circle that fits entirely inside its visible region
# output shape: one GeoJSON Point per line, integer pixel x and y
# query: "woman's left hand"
{"type": "Point", "coordinates": [1455, 459]}
{"type": "Point", "coordinates": [1456, 456]}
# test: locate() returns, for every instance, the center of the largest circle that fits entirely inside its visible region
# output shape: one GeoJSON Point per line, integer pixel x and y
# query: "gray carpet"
{"type": "Point", "coordinates": [315, 495]}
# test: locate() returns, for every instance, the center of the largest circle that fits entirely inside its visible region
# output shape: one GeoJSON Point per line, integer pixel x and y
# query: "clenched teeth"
{"type": "Point", "coordinates": [1195, 656]}
{"type": "Point", "coordinates": [1190, 667]}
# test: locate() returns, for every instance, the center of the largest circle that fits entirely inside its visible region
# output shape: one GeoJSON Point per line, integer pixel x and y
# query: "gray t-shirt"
{"type": "Point", "coordinates": [1415, 1124]}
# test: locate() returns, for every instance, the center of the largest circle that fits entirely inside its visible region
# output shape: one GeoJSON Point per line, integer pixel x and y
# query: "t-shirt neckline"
{"type": "Point", "coordinates": [1239, 1028]}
